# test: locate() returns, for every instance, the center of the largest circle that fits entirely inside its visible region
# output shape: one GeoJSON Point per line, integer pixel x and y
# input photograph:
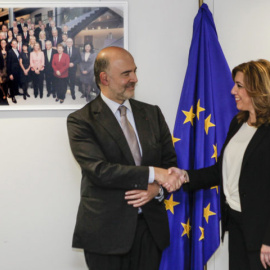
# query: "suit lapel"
{"type": "Point", "coordinates": [256, 139]}
{"type": "Point", "coordinates": [105, 117]}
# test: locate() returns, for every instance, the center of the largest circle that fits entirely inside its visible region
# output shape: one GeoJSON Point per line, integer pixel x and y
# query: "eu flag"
{"type": "Point", "coordinates": [205, 110]}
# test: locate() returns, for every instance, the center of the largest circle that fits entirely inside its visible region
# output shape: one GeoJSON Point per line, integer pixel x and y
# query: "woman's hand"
{"type": "Point", "coordinates": [265, 256]}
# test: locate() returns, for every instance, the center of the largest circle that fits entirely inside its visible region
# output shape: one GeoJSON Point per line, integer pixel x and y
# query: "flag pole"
{"type": "Point", "coordinates": [200, 4]}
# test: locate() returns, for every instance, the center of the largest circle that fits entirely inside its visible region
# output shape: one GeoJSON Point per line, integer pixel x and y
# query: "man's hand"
{"type": "Point", "coordinates": [181, 175]}
{"type": "Point", "coordinates": [265, 256]}
{"type": "Point", "coordinates": [138, 198]}
{"type": "Point", "coordinates": [171, 181]}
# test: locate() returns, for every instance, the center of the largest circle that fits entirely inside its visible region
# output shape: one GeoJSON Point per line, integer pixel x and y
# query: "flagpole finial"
{"type": "Point", "coordinates": [200, 3]}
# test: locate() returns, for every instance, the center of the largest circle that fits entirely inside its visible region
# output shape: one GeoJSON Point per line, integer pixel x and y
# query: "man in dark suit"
{"type": "Point", "coordinates": [25, 35]}
{"type": "Point", "coordinates": [21, 25]}
{"type": "Point", "coordinates": [75, 59]}
{"type": "Point", "coordinates": [13, 70]}
{"type": "Point", "coordinates": [66, 31]}
{"type": "Point", "coordinates": [122, 221]}
{"type": "Point", "coordinates": [48, 70]}
{"type": "Point", "coordinates": [55, 39]}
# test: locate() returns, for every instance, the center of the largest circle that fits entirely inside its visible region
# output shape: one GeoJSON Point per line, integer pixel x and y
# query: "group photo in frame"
{"type": "Point", "coordinates": [47, 52]}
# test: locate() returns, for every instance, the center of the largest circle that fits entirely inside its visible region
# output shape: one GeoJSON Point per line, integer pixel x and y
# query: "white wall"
{"type": "Point", "coordinates": [40, 181]}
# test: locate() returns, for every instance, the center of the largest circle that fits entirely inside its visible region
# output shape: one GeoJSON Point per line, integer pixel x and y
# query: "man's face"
{"type": "Point", "coordinates": [14, 44]}
{"type": "Point", "coordinates": [19, 38]}
{"type": "Point", "coordinates": [69, 43]}
{"type": "Point", "coordinates": [25, 29]}
{"type": "Point", "coordinates": [48, 45]}
{"type": "Point", "coordinates": [4, 28]}
{"type": "Point", "coordinates": [15, 30]}
{"type": "Point", "coordinates": [122, 78]}
{"type": "Point", "coordinates": [54, 33]}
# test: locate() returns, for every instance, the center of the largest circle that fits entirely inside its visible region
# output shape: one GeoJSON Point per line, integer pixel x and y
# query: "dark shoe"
{"type": "Point", "coordinates": [41, 96]}
{"type": "Point", "coordinates": [48, 94]}
{"type": "Point", "coordinates": [35, 96]}
{"type": "Point", "coordinates": [82, 96]}
{"type": "Point", "coordinates": [24, 97]}
{"type": "Point", "coordinates": [14, 100]}
{"type": "Point", "coordinates": [57, 100]}
{"type": "Point", "coordinates": [61, 101]}
{"type": "Point", "coordinates": [54, 95]}
{"type": "Point", "coordinates": [73, 97]}
{"type": "Point", "coordinates": [27, 95]}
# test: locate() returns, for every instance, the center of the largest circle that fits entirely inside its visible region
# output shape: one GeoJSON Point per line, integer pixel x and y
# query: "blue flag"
{"type": "Point", "coordinates": [205, 110]}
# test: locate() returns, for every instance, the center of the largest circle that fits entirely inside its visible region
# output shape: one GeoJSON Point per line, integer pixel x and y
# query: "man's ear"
{"type": "Point", "coordinates": [103, 78]}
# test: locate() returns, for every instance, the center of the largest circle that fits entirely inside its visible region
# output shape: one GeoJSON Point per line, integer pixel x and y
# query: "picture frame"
{"type": "Point", "coordinates": [100, 24]}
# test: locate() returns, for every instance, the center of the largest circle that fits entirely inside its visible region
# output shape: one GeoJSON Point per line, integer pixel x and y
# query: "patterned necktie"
{"type": "Point", "coordinates": [130, 135]}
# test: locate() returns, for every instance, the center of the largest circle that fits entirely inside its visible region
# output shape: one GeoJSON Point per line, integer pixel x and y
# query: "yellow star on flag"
{"type": "Point", "coordinates": [189, 116]}
{"type": "Point", "coordinates": [208, 124]}
{"type": "Point", "coordinates": [207, 213]}
{"type": "Point", "coordinates": [202, 233]}
{"type": "Point", "coordinates": [215, 152]}
{"type": "Point", "coordinates": [170, 204]}
{"type": "Point", "coordinates": [215, 187]}
{"type": "Point", "coordinates": [187, 229]}
{"type": "Point", "coordinates": [199, 109]}
{"type": "Point", "coordinates": [175, 140]}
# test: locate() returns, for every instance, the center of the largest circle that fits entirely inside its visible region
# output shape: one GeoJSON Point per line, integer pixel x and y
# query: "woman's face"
{"type": "Point", "coordinates": [242, 99]}
{"type": "Point", "coordinates": [10, 33]}
{"type": "Point", "coordinates": [3, 44]}
{"type": "Point", "coordinates": [87, 48]}
{"type": "Point", "coordinates": [32, 40]}
{"type": "Point", "coordinates": [25, 49]}
{"type": "Point", "coordinates": [36, 47]}
{"type": "Point", "coordinates": [60, 49]}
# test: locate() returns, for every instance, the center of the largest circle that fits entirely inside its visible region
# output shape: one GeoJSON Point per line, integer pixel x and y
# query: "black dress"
{"type": "Point", "coordinates": [24, 79]}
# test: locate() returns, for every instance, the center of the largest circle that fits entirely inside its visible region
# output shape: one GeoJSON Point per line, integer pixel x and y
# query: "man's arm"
{"type": "Point", "coordinates": [94, 164]}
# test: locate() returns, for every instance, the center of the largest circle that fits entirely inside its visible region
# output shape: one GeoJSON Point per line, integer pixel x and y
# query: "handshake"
{"type": "Point", "coordinates": [171, 179]}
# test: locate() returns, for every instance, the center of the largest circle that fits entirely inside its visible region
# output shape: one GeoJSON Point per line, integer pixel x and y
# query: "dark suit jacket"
{"type": "Point", "coordinates": [59, 40]}
{"type": "Point", "coordinates": [13, 65]}
{"type": "Point", "coordinates": [106, 224]}
{"type": "Point", "coordinates": [48, 70]}
{"type": "Point", "coordinates": [254, 186]}
{"type": "Point", "coordinates": [75, 58]}
{"type": "Point", "coordinates": [25, 40]}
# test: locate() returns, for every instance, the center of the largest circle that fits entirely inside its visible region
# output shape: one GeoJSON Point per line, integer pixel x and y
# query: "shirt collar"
{"type": "Point", "coordinates": [114, 105]}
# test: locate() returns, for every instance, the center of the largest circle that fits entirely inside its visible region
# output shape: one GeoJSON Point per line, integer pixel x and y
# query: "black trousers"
{"type": "Point", "coordinates": [71, 80]}
{"type": "Point", "coordinates": [38, 83]}
{"type": "Point", "coordinates": [14, 86]}
{"type": "Point", "coordinates": [239, 257]}
{"type": "Point", "coordinates": [61, 87]}
{"type": "Point", "coordinates": [50, 83]}
{"type": "Point", "coordinates": [144, 254]}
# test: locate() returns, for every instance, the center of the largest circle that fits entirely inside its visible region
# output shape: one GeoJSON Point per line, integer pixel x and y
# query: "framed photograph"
{"type": "Point", "coordinates": [47, 51]}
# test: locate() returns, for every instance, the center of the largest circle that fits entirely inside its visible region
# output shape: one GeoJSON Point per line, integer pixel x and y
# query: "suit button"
{"type": "Point", "coordinates": [135, 185]}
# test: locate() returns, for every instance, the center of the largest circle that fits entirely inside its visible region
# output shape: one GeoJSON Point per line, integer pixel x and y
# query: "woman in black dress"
{"type": "Point", "coordinates": [25, 65]}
